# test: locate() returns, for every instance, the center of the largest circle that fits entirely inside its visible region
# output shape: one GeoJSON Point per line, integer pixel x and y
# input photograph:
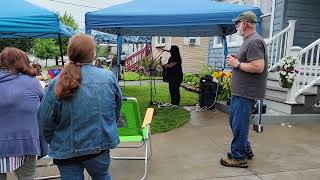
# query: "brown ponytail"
{"type": "Point", "coordinates": [81, 49]}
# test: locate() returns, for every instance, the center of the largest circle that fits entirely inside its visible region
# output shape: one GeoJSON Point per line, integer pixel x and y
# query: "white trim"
{"type": "Point", "coordinates": [272, 17]}
{"type": "Point", "coordinates": [265, 15]}
{"type": "Point", "coordinates": [158, 45]}
{"type": "Point", "coordinates": [186, 41]}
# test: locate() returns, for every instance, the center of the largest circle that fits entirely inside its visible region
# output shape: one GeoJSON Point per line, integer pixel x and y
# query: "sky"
{"type": "Point", "coordinates": [77, 8]}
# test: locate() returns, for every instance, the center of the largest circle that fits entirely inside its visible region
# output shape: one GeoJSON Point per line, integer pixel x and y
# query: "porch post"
{"type": "Point", "coordinates": [291, 97]}
{"type": "Point", "coordinates": [292, 25]}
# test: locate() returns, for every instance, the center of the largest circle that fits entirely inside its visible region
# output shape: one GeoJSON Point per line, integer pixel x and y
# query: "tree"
{"type": "Point", "coordinates": [46, 49]}
{"type": "Point", "coordinates": [102, 51]}
{"type": "Point", "coordinates": [50, 48]}
{"type": "Point", "coordinates": [23, 44]}
{"type": "Point", "coordinates": [68, 20]}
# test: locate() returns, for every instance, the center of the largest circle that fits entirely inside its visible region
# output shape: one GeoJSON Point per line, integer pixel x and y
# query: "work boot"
{"type": "Point", "coordinates": [249, 155]}
{"type": "Point", "coordinates": [231, 162]}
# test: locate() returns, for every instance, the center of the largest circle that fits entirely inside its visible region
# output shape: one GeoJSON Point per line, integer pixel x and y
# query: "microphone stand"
{"type": "Point", "coordinates": [151, 70]}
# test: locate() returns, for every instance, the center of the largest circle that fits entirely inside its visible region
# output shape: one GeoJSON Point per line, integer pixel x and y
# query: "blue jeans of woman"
{"type": "Point", "coordinates": [97, 167]}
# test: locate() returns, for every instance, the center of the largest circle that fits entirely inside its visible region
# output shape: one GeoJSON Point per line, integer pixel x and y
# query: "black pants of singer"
{"type": "Point", "coordinates": [174, 88]}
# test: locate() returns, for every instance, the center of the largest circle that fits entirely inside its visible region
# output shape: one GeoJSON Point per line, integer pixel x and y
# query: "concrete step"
{"type": "Point", "coordinates": [279, 93]}
{"type": "Point", "coordinates": [278, 104]}
{"type": "Point", "coordinates": [275, 77]}
{"type": "Point", "coordinates": [274, 116]}
{"type": "Point", "coordinates": [274, 83]}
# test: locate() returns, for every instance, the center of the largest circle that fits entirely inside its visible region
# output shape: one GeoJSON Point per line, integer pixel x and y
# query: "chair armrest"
{"type": "Point", "coordinates": [148, 117]}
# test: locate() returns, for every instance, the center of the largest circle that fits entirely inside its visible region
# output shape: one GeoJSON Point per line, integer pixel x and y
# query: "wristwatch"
{"type": "Point", "coordinates": [237, 66]}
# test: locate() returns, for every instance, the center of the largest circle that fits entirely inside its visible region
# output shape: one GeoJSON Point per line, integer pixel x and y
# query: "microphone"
{"type": "Point", "coordinates": [165, 50]}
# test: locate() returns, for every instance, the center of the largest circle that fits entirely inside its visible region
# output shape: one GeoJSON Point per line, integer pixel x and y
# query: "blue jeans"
{"type": "Point", "coordinates": [97, 167]}
{"type": "Point", "coordinates": [240, 108]}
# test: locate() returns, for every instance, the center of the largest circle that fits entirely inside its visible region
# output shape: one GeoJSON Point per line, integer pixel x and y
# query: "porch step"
{"type": "Point", "coordinates": [274, 76]}
{"type": "Point", "coordinates": [276, 97]}
{"type": "Point", "coordinates": [278, 104]}
{"type": "Point", "coordinates": [274, 116]}
{"type": "Point", "coordinates": [279, 93]}
{"type": "Point", "coordinates": [274, 83]}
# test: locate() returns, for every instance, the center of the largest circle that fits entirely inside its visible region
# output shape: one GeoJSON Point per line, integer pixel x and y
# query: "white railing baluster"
{"type": "Point", "coordinates": [286, 44]}
{"type": "Point", "coordinates": [273, 45]}
{"type": "Point", "coordinates": [278, 52]}
{"type": "Point", "coordinates": [299, 73]}
{"type": "Point", "coordinates": [305, 68]}
{"type": "Point", "coordinates": [317, 61]}
{"type": "Point", "coordinates": [281, 44]}
{"type": "Point", "coordinates": [308, 68]}
{"type": "Point", "coordinates": [277, 47]}
{"type": "Point", "coordinates": [272, 57]}
{"type": "Point", "coordinates": [311, 65]}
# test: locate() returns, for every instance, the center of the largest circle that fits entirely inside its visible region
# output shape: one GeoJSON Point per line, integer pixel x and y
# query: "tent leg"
{"type": "Point", "coordinates": [119, 51]}
{"type": "Point", "coordinates": [61, 51]}
{"type": "Point", "coordinates": [225, 50]}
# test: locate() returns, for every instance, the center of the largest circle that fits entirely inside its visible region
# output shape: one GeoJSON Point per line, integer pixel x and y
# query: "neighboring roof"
{"type": "Point", "coordinates": [21, 19]}
{"type": "Point", "coordinates": [107, 38]}
{"type": "Point", "coordinates": [167, 18]}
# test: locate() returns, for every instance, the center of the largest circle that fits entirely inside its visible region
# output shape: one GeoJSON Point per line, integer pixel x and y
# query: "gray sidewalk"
{"type": "Point", "coordinates": [192, 152]}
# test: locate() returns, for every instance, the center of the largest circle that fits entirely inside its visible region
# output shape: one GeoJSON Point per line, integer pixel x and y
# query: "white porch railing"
{"type": "Point", "coordinates": [278, 46]}
{"type": "Point", "coordinates": [309, 70]}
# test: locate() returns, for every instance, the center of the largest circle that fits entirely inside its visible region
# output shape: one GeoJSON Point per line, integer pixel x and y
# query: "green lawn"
{"type": "Point", "coordinates": [133, 76]}
{"type": "Point", "coordinates": [45, 69]}
{"type": "Point", "coordinates": [165, 119]}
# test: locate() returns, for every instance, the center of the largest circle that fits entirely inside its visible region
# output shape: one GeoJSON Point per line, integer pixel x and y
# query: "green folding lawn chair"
{"type": "Point", "coordinates": [134, 130]}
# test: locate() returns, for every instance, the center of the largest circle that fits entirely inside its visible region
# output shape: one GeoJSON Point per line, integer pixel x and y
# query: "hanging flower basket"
{"type": "Point", "coordinates": [287, 71]}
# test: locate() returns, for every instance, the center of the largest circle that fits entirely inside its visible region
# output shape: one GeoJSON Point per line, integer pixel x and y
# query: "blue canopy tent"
{"type": "Point", "coordinates": [168, 18]}
{"type": "Point", "coordinates": [21, 19]}
{"type": "Point", "coordinates": [101, 37]}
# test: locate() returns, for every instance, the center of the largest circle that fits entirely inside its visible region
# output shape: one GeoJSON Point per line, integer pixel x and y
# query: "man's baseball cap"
{"type": "Point", "coordinates": [247, 16]}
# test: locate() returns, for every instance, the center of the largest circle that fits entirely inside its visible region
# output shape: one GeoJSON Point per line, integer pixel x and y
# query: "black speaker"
{"type": "Point", "coordinates": [208, 92]}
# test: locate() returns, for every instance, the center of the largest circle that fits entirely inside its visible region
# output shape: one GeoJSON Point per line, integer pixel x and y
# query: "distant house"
{"type": "Point", "coordinates": [193, 50]}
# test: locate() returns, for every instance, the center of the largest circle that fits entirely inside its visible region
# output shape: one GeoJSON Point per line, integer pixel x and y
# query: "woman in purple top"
{"type": "Point", "coordinates": [20, 94]}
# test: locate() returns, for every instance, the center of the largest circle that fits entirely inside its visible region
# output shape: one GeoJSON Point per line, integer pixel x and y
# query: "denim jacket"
{"type": "Point", "coordinates": [85, 123]}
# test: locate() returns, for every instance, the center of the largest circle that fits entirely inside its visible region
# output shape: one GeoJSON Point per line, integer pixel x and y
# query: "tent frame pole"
{"type": "Point", "coordinates": [119, 52]}
{"type": "Point", "coordinates": [61, 50]}
{"type": "Point", "coordinates": [225, 50]}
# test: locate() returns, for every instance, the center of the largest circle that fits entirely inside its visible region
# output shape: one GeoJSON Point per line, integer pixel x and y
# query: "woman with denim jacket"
{"type": "Point", "coordinates": [78, 114]}
{"type": "Point", "coordinates": [20, 95]}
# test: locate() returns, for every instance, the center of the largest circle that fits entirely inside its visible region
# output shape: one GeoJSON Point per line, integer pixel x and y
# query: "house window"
{"type": "Point", "coordinates": [192, 41]}
{"type": "Point", "coordinates": [161, 41]}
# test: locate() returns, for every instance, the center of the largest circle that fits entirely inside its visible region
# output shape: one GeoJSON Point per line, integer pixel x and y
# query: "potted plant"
{"type": "Point", "coordinates": [287, 71]}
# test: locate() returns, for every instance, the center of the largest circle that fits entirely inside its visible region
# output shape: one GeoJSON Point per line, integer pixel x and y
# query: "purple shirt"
{"type": "Point", "coordinates": [20, 98]}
